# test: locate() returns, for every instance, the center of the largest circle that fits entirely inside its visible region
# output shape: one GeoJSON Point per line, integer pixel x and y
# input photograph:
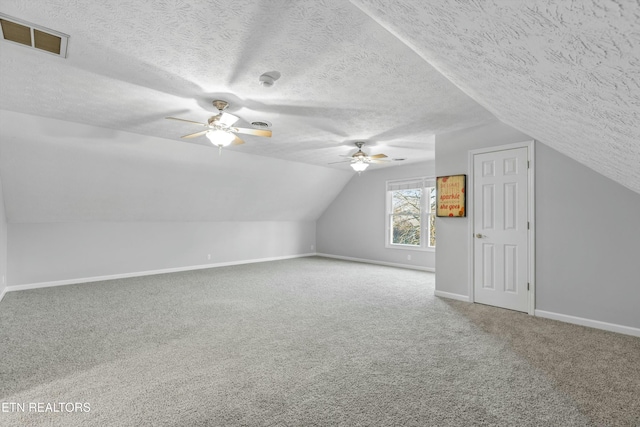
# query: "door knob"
{"type": "Point", "coordinates": [479, 236]}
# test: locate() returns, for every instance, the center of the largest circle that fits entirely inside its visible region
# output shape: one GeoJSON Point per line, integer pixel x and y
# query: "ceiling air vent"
{"type": "Point", "coordinates": [261, 124]}
{"type": "Point", "coordinates": [17, 31]}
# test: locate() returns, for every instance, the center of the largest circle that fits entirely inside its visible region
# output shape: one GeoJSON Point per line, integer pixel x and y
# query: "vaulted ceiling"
{"type": "Point", "coordinates": [391, 73]}
{"type": "Point", "coordinates": [344, 77]}
{"type": "Point", "coordinates": [564, 72]}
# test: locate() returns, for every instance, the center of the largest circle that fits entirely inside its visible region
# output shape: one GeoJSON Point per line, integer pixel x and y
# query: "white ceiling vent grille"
{"type": "Point", "coordinates": [261, 124]}
{"type": "Point", "coordinates": [17, 31]}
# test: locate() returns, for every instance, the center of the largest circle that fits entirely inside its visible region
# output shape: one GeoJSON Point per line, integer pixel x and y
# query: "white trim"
{"type": "Point", "coordinates": [612, 327]}
{"type": "Point", "coordinates": [410, 247]}
{"type": "Point", "coordinates": [450, 295]}
{"type": "Point", "coordinates": [532, 227]}
{"type": "Point", "coordinates": [427, 182]}
{"type": "Point", "coordinates": [469, 209]}
{"type": "Point", "coordinates": [423, 179]}
{"type": "Point", "coordinates": [530, 145]}
{"type": "Point", "coordinates": [146, 273]}
{"type": "Point", "coordinates": [371, 261]}
{"type": "Point", "coordinates": [4, 291]}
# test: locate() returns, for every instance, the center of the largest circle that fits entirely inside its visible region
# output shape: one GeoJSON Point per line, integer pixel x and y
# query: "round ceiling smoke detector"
{"type": "Point", "coordinates": [269, 78]}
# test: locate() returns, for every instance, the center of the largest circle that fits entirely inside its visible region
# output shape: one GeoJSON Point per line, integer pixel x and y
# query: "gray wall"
{"type": "Point", "coordinates": [65, 251]}
{"type": "Point", "coordinates": [354, 224]}
{"type": "Point", "coordinates": [587, 232]}
{"type": "Point", "coordinates": [587, 242]}
{"type": "Point", "coordinates": [84, 202]}
{"type": "Point", "coordinates": [453, 240]}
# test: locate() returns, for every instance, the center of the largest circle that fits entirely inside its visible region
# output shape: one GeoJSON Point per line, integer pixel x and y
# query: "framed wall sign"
{"type": "Point", "coordinates": [450, 195]}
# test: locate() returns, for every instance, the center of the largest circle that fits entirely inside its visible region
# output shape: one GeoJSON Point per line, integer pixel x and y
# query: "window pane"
{"type": "Point", "coordinates": [405, 229]}
{"type": "Point", "coordinates": [432, 231]}
{"type": "Point", "coordinates": [431, 191]}
{"type": "Point", "coordinates": [406, 201]}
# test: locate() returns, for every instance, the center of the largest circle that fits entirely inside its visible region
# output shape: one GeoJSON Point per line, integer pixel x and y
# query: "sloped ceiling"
{"type": "Point", "coordinates": [119, 176]}
{"type": "Point", "coordinates": [393, 74]}
{"type": "Point", "coordinates": [132, 63]}
{"type": "Point", "coordinates": [564, 72]}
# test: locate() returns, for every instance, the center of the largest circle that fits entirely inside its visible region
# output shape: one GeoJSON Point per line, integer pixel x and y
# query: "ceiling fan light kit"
{"type": "Point", "coordinates": [220, 138]}
{"type": "Point", "coordinates": [359, 165]}
{"type": "Point", "coordinates": [219, 128]}
{"type": "Point", "coordinates": [360, 160]}
{"type": "Point", "coordinates": [220, 131]}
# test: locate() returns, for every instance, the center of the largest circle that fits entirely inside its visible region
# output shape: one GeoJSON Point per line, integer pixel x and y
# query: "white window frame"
{"type": "Point", "coordinates": [422, 183]}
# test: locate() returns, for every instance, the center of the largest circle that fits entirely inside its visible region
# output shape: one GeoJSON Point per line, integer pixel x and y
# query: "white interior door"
{"type": "Point", "coordinates": [500, 219]}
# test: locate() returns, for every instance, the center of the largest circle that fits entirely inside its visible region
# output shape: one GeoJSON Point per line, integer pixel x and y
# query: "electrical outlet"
{"type": "Point", "coordinates": [3, 279]}
{"type": "Point", "coordinates": [312, 246]}
{"type": "Point", "coordinates": [409, 257]}
{"type": "Point", "coordinates": [209, 257]}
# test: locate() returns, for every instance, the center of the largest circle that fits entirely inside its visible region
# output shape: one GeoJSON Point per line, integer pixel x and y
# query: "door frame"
{"type": "Point", "coordinates": [531, 236]}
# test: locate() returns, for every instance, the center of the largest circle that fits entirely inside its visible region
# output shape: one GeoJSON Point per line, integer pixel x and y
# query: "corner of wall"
{"type": "Point", "coordinates": [353, 225]}
{"type": "Point", "coordinates": [3, 244]}
{"type": "Point", "coordinates": [452, 263]}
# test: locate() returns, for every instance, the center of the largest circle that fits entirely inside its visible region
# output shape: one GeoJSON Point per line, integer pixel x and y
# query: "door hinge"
{"type": "Point", "coordinates": [527, 286]}
{"type": "Point", "coordinates": [528, 225]}
{"type": "Point", "coordinates": [528, 164]}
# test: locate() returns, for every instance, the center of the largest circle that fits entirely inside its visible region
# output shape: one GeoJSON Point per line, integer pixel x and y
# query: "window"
{"type": "Point", "coordinates": [411, 209]}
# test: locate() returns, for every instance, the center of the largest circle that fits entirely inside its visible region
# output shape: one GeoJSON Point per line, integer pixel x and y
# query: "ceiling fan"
{"type": "Point", "coordinates": [219, 128]}
{"type": "Point", "coordinates": [360, 160]}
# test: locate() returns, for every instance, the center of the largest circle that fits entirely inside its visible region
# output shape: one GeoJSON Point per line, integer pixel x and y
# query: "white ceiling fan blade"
{"type": "Point", "coordinates": [257, 132]}
{"type": "Point", "coordinates": [378, 156]}
{"type": "Point", "coordinates": [193, 135]}
{"type": "Point", "coordinates": [227, 119]}
{"type": "Point", "coordinates": [341, 161]}
{"type": "Point", "coordinates": [188, 121]}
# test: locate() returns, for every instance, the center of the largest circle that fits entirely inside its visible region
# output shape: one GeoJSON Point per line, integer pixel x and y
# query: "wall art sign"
{"type": "Point", "coordinates": [450, 195]}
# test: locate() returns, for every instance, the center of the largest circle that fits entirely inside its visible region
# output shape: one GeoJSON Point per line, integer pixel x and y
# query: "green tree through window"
{"type": "Point", "coordinates": [411, 208]}
{"type": "Point", "coordinates": [406, 217]}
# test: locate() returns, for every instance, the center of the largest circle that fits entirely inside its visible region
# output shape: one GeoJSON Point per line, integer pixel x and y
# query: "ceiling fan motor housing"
{"type": "Point", "coordinates": [359, 155]}
{"type": "Point", "coordinates": [213, 121]}
{"type": "Point", "coordinates": [221, 125]}
{"type": "Point", "coordinates": [220, 105]}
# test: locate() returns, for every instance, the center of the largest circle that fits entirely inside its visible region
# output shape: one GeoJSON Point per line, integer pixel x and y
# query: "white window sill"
{"type": "Point", "coordinates": [409, 248]}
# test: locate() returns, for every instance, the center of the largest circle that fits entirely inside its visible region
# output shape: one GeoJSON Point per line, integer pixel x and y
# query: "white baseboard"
{"type": "Point", "coordinates": [451, 296]}
{"type": "Point", "coordinates": [371, 261]}
{"type": "Point", "coordinates": [2, 293]}
{"type": "Point", "coordinates": [145, 273]}
{"type": "Point", "coordinates": [627, 330]}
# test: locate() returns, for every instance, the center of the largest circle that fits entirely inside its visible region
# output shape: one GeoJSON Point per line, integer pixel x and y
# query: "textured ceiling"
{"type": "Point", "coordinates": [566, 72]}
{"type": "Point", "coordinates": [393, 73]}
{"type": "Point", "coordinates": [131, 63]}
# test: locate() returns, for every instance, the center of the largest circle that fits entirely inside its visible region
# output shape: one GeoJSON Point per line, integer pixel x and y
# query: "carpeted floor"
{"type": "Point", "coordinates": [301, 342]}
